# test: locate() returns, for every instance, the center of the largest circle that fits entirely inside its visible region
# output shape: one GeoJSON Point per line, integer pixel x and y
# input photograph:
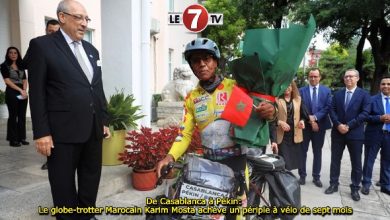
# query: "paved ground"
{"type": "Point", "coordinates": [24, 187]}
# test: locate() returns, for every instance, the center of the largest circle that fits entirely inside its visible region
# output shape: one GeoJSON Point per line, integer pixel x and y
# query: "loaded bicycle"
{"type": "Point", "coordinates": [203, 180]}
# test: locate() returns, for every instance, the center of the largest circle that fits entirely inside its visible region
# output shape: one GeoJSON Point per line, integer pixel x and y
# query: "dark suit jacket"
{"type": "Point", "coordinates": [324, 103]}
{"type": "Point", "coordinates": [374, 126]}
{"type": "Point", "coordinates": [63, 102]}
{"type": "Point", "coordinates": [355, 116]}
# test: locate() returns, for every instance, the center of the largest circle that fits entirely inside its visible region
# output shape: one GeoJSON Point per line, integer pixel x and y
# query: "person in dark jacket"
{"type": "Point", "coordinates": [350, 109]}
{"type": "Point", "coordinates": [317, 99]}
{"type": "Point", "coordinates": [15, 96]}
{"type": "Point", "coordinates": [69, 109]}
{"type": "Point", "coordinates": [377, 136]}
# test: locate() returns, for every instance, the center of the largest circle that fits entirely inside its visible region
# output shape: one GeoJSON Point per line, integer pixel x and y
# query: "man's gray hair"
{"type": "Point", "coordinates": [63, 6]}
{"type": "Point", "coordinates": [352, 70]}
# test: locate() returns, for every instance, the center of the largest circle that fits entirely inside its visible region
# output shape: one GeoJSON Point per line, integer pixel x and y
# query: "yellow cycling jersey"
{"type": "Point", "coordinates": [201, 109]}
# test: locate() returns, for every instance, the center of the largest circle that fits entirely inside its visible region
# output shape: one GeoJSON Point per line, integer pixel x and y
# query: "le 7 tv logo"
{"type": "Point", "coordinates": [195, 18]}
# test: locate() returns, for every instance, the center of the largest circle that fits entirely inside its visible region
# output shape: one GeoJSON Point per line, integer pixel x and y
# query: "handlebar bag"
{"type": "Point", "coordinates": [266, 162]}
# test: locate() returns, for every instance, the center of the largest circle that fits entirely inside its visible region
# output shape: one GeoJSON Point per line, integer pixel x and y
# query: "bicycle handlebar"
{"type": "Point", "coordinates": [166, 169]}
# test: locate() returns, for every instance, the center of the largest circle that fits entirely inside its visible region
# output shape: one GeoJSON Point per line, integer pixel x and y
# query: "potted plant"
{"type": "Point", "coordinates": [122, 115]}
{"type": "Point", "coordinates": [145, 149]}
{"type": "Point", "coordinates": [3, 106]}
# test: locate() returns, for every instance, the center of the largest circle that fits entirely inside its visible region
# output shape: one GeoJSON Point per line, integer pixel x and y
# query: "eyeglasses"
{"type": "Point", "coordinates": [313, 77]}
{"type": "Point", "coordinates": [78, 18]}
{"type": "Point", "coordinates": [349, 76]}
{"type": "Point", "coordinates": [195, 60]}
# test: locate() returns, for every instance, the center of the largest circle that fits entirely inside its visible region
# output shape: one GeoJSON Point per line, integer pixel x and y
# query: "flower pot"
{"type": "Point", "coordinates": [144, 180]}
{"type": "Point", "coordinates": [112, 147]}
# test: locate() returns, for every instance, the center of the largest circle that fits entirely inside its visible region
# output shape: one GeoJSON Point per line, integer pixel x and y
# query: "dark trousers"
{"type": "Point", "coordinates": [317, 142]}
{"type": "Point", "coordinates": [370, 154]}
{"type": "Point", "coordinates": [385, 164]}
{"type": "Point", "coordinates": [16, 125]}
{"type": "Point", "coordinates": [355, 153]}
{"type": "Point", "coordinates": [67, 159]}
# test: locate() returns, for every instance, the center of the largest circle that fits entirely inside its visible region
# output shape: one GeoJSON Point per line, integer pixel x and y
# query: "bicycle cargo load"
{"type": "Point", "coordinates": [212, 175]}
{"type": "Point", "coordinates": [284, 190]}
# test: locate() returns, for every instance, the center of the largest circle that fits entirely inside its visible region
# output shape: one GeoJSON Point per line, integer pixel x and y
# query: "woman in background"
{"type": "Point", "coordinates": [291, 120]}
{"type": "Point", "coordinates": [15, 96]}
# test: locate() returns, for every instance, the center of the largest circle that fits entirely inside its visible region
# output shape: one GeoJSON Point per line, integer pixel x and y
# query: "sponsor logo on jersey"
{"type": "Point", "coordinates": [222, 98]}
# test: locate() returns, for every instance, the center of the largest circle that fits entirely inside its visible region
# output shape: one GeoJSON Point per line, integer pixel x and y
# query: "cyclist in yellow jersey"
{"type": "Point", "coordinates": [203, 107]}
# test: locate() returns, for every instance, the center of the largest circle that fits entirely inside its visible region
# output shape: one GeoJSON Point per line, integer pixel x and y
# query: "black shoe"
{"type": "Point", "coordinates": [318, 183]}
{"type": "Point", "coordinates": [378, 183]}
{"type": "Point", "coordinates": [355, 195]}
{"type": "Point", "coordinates": [14, 144]}
{"type": "Point", "coordinates": [385, 191]}
{"type": "Point", "coordinates": [24, 142]}
{"type": "Point", "coordinates": [302, 181]}
{"type": "Point", "coordinates": [44, 166]}
{"type": "Point", "coordinates": [365, 190]}
{"type": "Point", "coordinates": [332, 189]}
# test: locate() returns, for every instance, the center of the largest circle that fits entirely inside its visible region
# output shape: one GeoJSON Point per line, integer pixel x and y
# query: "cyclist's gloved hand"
{"type": "Point", "coordinates": [164, 162]}
{"type": "Point", "coordinates": [265, 110]}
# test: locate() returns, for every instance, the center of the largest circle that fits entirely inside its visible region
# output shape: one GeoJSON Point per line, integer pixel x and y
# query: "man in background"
{"type": "Point", "coordinates": [377, 136]}
{"type": "Point", "coordinates": [52, 26]}
{"type": "Point", "coordinates": [350, 109]}
{"type": "Point", "coordinates": [317, 100]}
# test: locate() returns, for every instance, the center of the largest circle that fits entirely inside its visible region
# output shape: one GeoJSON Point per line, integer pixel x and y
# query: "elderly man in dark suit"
{"type": "Point", "coordinates": [68, 109]}
{"type": "Point", "coordinates": [350, 108]}
{"type": "Point", "coordinates": [317, 100]}
{"type": "Point", "coordinates": [377, 136]}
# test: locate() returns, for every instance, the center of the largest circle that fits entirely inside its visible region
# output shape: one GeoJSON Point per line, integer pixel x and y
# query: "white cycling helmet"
{"type": "Point", "coordinates": [201, 44]}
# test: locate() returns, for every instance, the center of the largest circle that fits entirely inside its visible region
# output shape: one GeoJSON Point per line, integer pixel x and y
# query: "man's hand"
{"type": "Point", "coordinates": [314, 126]}
{"type": "Point", "coordinates": [265, 110]}
{"type": "Point", "coordinates": [106, 132]}
{"type": "Point", "coordinates": [162, 163]}
{"type": "Point", "coordinates": [342, 128]}
{"type": "Point", "coordinates": [312, 118]}
{"type": "Point", "coordinates": [44, 145]}
{"type": "Point", "coordinates": [385, 118]}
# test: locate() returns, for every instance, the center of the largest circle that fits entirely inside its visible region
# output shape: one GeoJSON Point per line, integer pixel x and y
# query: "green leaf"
{"type": "Point", "coordinates": [122, 113]}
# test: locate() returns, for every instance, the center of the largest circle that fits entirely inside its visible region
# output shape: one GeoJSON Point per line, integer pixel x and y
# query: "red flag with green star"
{"type": "Point", "coordinates": [239, 107]}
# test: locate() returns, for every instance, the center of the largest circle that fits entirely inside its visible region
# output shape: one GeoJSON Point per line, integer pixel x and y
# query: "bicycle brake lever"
{"type": "Point", "coordinates": [164, 172]}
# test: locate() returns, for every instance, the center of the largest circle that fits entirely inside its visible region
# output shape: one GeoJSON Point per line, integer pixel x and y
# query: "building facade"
{"type": "Point", "coordinates": [139, 50]}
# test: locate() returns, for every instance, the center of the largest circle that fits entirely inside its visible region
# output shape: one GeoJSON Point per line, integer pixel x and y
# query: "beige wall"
{"type": "Point", "coordinates": [159, 47]}
{"type": "Point", "coordinates": [32, 15]}
{"type": "Point", "coordinates": [173, 37]}
{"type": "Point", "coordinates": [179, 35]}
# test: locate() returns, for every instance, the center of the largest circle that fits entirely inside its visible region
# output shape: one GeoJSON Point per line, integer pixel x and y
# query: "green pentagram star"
{"type": "Point", "coordinates": [240, 107]}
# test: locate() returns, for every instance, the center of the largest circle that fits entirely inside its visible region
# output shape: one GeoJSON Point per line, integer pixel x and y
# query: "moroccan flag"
{"type": "Point", "coordinates": [271, 59]}
{"type": "Point", "coordinates": [239, 107]}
